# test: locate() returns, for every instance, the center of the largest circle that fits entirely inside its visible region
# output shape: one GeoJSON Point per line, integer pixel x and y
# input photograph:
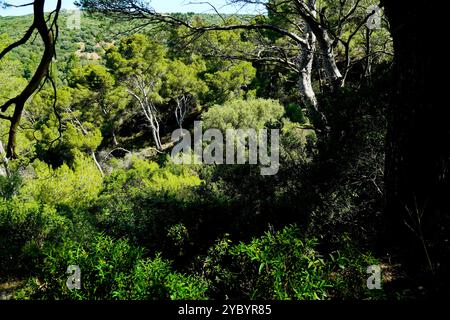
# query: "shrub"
{"type": "Point", "coordinates": [295, 113]}
{"type": "Point", "coordinates": [284, 265]}
{"type": "Point", "coordinates": [25, 227]}
{"type": "Point", "coordinates": [348, 267]}
{"type": "Point", "coordinates": [243, 114]}
{"type": "Point", "coordinates": [77, 187]}
{"type": "Point", "coordinates": [139, 203]}
{"type": "Point", "coordinates": [111, 270]}
{"type": "Point", "coordinates": [279, 265]}
{"type": "Point", "coordinates": [288, 267]}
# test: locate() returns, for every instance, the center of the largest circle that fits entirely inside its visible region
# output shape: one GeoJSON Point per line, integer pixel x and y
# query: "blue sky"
{"type": "Point", "coordinates": [159, 5]}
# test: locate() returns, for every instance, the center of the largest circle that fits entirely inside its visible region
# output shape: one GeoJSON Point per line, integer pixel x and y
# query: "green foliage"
{"type": "Point", "coordinates": [58, 136]}
{"type": "Point", "coordinates": [348, 268]}
{"type": "Point", "coordinates": [111, 270]}
{"type": "Point", "coordinates": [243, 114]}
{"type": "Point", "coordinates": [138, 55]}
{"type": "Point", "coordinates": [10, 184]}
{"type": "Point", "coordinates": [145, 176]}
{"type": "Point", "coordinates": [57, 209]}
{"type": "Point", "coordinates": [229, 81]}
{"type": "Point", "coordinates": [94, 77]}
{"type": "Point", "coordinates": [25, 227]}
{"type": "Point", "coordinates": [11, 81]}
{"type": "Point", "coordinates": [142, 200]}
{"type": "Point", "coordinates": [183, 79]}
{"type": "Point", "coordinates": [178, 234]}
{"type": "Point", "coordinates": [76, 187]}
{"type": "Point", "coordinates": [295, 113]}
{"type": "Point", "coordinates": [288, 267]}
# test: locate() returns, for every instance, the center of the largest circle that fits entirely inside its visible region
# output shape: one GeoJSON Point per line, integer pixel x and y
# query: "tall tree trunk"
{"type": "Point", "coordinates": [305, 63]}
{"type": "Point", "coordinates": [155, 129]}
{"type": "Point", "coordinates": [418, 141]}
{"type": "Point", "coordinates": [149, 111]}
{"type": "Point", "coordinates": [324, 42]}
{"type": "Point", "coordinates": [308, 96]}
{"type": "Point", "coordinates": [306, 60]}
{"type": "Point", "coordinates": [328, 60]}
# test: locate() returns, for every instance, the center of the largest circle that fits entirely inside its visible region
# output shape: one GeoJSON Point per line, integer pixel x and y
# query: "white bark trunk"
{"type": "Point", "coordinates": [4, 161]}
{"type": "Point", "coordinates": [307, 93]}
{"type": "Point", "coordinates": [309, 13]}
{"type": "Point", "coordinates": [306, 61]}
{"type": "Point", "coordinates": [182, 109]}
{"type": "Point", "coordinates": [328, 60]}
{"type": "Point", "coordinates": [150, 113]}
{"type": "Point", "coordinates": [115, 142]}
{"type": "Point", "coordinates": [94, 157]}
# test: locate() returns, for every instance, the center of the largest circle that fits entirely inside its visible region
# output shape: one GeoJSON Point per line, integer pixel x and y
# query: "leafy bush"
{"type": "Point", "coordinates": [141, 201]}
{"type": "Point", "coordinates": [111, 270]}
{"type": "Point", "coordinates": [348, 267]}
{"type": "Point", "coordinates": [279, 265]}
{"type": "Point", "coordinates": [25, 227]}
{"type": "Point", "coordinates": [288, 267]}
{"type": "Point", "coordinates": [75, 187]}
{"type": "Point", "coordinates": [284, 265]}
{"type": "Point", "coordinates": [295, 113]}
{"type": "Point", "coordinates": [243, 114]}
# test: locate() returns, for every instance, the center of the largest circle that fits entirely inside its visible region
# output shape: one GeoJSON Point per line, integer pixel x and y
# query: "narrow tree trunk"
{"type": "Point", "coordinates": [94, 157]}
{"type": "Point", "coordinates": [309, 99]}
{"type": "Point", "coordinates": [181, 109]}
{"type": "Point", "coordinates": [115, 142]}
{"type": "Point", "coordinates": [4, 160]}
{"type": "Point", "coordinates": [368, 66]}
{"type": "Point", "coordinates": [157, 140]}
{"type": "Point", "coordinates": [155, 129]}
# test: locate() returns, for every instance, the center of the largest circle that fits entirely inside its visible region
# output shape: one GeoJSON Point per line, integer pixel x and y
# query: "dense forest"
{"type": "Point", "coordinates": [90, 189]}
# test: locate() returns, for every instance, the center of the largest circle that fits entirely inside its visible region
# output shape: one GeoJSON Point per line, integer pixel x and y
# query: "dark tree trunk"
{"type": "Point", "coordinates": [47, 34]}
{"type": "Point", "coordinates": [418, 144]}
